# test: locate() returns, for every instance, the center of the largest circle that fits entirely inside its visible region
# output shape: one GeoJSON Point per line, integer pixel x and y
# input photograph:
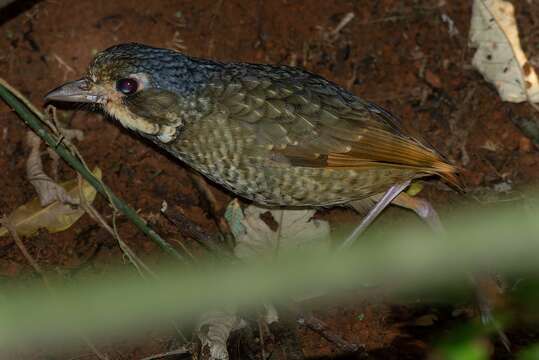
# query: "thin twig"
{"type": "Point", "coordinates": [261, 337]}
{"type": "Point", "coordinates": [417, 13]}
{"type": "Point", "coordinates": [196, 232]}
{"type": "Point", "coordinates": [323, 330]}
{"type": "Point", "coordinates": [137, 263]}
{"type": "Point", "coordinates": [184, 248]}
{"type": "Point", "coordinates": [351, 81]}
{"type": "Point", "coordinates": [20, 244]}
{"type": "Point", "coordinates": [311, 322]}
{"type": "Point", "coordinates": [344, 21]}
{"type": "Point", "coordinates": [141, 267]}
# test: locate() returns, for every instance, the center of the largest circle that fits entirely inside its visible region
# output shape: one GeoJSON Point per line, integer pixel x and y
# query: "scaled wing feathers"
{"type": "Point", "coordinates": [317, 124]}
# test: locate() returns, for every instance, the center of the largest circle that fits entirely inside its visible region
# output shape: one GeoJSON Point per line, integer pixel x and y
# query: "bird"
{"type": "Point", "coordinates": [272, 134]}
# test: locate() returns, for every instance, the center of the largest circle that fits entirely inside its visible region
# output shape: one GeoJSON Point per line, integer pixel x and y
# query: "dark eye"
{"type": "Point", "coordinates": [127, 86]}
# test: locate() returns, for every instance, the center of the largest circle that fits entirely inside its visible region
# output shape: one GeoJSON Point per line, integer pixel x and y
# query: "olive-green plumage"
{"type": "Point", "coordinates": [273, 134]}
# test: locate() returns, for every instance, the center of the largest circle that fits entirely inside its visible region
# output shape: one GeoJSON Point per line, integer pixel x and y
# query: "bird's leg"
{"type": "Point", "coordinates": [384, 201]}
{"type": "Point", "coordinates": [425, 211]}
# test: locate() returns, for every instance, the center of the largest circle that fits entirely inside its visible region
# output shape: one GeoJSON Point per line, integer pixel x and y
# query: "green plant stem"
{"type": "Point", "coordinates": [35, 124]}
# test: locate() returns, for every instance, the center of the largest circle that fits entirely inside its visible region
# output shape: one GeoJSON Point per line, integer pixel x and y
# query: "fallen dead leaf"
{"type": "Point", "coordinates": [295, 229]}
{"type": "Point", "coordinates": [499, 56]}
{"type": "Point", "coordinates": [214, 329]}
{"type": "Point", "coordinates": [55, 217]}
{"type": "Point", "coordinates": [47, 189]}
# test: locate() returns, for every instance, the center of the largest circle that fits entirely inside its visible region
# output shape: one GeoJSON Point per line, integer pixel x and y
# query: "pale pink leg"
{"type": "Point", "coordinates": [381, 204]}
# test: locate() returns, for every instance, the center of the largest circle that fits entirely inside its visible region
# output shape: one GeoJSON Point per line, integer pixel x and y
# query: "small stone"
{"type": "Point", "coordinates": [432, 79]}
{"type": "Point", "coordinates": [525, 145]}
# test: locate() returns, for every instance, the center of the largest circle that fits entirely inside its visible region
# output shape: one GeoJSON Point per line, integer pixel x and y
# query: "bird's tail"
{"type": "Point", "coordinates": [449, 173]}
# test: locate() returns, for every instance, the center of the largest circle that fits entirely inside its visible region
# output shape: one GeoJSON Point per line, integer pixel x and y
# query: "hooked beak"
{"type": "Point", "coordinates": [74, 91]}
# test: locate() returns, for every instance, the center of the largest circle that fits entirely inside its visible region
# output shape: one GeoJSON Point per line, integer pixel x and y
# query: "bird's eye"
{"type": "Point", "coordinates": [127, 86]}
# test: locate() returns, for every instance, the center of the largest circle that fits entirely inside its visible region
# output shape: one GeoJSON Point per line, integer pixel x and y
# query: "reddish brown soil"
{"type": "Point", "coordinates": [396, 53]}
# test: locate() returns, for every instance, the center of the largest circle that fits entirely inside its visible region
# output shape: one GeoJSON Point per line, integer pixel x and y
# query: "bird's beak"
{"type": "Point", "coordinates": [74, 91]}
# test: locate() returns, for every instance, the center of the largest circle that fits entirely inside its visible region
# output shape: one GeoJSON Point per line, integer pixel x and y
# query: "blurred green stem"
{"type": "Point", "coordinates": [36, 124]}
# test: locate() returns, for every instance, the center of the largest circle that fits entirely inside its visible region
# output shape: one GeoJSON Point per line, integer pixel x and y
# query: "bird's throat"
{"type": "Point", "coordinates": [139, 124]}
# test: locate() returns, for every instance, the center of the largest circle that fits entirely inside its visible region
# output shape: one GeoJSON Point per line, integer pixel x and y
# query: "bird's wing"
{"type": "Point", "coordinates": [314, 123]}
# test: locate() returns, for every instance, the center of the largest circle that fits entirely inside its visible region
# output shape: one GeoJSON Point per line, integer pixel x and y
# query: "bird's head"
{"type": "Point", "coordinates": [147, 89]}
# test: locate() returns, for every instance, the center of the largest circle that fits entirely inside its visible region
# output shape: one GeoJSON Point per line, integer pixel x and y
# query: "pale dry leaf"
{"type": "Point", "coordinates": [296, 228]}
{"type": "Point", "coordinates": [55, 217]}
{"type": "Point", "coordinates": [499, 56]}
{"type": "Point", "coordinates": [272, 315]}
{"type": "Point", "coordinates": [426, 320]}
{"type": "Point", "coordinates": [46, 188]}
{"type": "Point", "coordinates": [69, 135]}
{"type": "Point", "coordinates": [213, 330]}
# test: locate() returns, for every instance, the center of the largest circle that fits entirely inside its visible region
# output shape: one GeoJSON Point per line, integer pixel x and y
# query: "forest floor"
{"type": "Point", "coordinates": [399, 54]}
